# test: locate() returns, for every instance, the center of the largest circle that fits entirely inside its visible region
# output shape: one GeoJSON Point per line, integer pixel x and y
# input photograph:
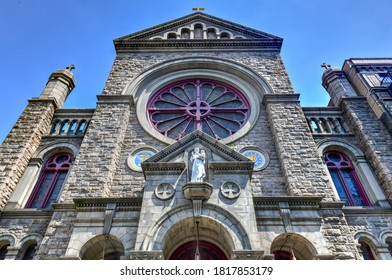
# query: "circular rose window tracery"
{"type": "Point", "coordinates": [212, 107]}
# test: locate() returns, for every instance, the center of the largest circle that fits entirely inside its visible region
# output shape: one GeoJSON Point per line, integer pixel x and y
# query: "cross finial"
{"type": "Point", "coordinates": [326, 66]}
{"type": "Point", "coordinates": [69, 68]}
{"type": "Point", "coordinates": [198, 9]}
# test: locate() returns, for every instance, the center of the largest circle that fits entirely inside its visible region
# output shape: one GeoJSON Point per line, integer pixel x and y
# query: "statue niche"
{"type": "Point", "coordinates": [197, 165]}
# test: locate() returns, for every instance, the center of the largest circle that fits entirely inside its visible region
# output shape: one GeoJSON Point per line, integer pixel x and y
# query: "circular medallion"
{"type": "Point", "coordinates": [230, 190]}
{"type": "Point", "coordinates": [164, 191]}
{"type": "Point", "coordinates": [137, 157]}
{"type": "Point", "coordinates": [260, 159]}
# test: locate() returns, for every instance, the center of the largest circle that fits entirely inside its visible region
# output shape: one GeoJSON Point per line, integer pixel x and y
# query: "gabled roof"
{"type": "Point", "coordinates": [185, 32]}
{"type": "Point", "coordinates": [163, 160]}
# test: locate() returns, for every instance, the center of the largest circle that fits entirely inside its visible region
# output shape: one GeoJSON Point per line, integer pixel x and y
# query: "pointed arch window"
{"type": "Point", "coordinates": [345, 179]}
{"type": "Point", "coordinates": [50, 181]}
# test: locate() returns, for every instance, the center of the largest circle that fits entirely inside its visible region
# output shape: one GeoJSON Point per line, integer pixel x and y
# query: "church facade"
{"type": "Point", "coordinates": [198, 148]}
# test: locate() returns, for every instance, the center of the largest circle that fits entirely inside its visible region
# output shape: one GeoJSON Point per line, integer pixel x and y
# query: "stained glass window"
{"type": "Point", "coordinates": [345, 179]}
{"type": "Point", "coordinates": [210, 106]}
{"type": "Point", "coordinates": [50, 181]}
{"type": "Point", "coordinates": [366, 251]}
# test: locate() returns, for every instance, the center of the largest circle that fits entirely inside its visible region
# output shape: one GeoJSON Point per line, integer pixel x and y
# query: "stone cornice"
{"type": "Point", "coordinates": [115, 99]}
{"type": "Point", "coordinates": [26, 214]}
{"type": "Point", "coordinates": [195, 45]}
{"type": "Point", "coordinates": [44, 100]}
{"type": "Point", "coordinates": [281, 98]}
{"type": "Point", "coordinates": [293, 201]}
{"type": "Point", "coordinates": [162, 166]}
{"type": "Point", "coordinates": [232, 166]}
{"type": "Point", "coordinates": [73, 113]}
{"type": "Point", "coordinates": [100, 203]}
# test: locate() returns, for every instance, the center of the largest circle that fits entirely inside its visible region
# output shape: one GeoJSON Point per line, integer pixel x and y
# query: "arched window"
{"type": "Point", "coordinates": [389, 242]}
{"type": "Point", "coordinates": [345, 179]}
{"type": "Point", "coordinates": [50, 181]}
{"type": "Point", "coordinates": [3, 251]}
{"type": "Point", "coordinates": [29, 253]}
{"type": "Point", "coordinates": [172, 36]}
{"type": "Point", "coordinates": [366, 251]}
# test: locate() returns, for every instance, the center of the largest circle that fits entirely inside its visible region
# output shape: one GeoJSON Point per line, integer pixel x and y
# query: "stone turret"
{"type": "Point", "coordinates": [59, 85]}
{"type": "Point", "coordinates": [337, 85]}
{"type": "Point", "coordinates": [25, 137]}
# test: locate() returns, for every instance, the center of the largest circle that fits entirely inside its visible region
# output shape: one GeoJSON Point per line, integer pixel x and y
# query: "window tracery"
{"type": "Point", "coordinates": [345, 179]}
{"type": "Point", "coordinates": [50, 181]}
{"type": "Point", "coordinates": [210, 106]}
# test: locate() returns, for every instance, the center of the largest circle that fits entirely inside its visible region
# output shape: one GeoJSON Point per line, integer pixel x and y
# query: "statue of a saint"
{"type": "Point", "coordinates": [198, 160]}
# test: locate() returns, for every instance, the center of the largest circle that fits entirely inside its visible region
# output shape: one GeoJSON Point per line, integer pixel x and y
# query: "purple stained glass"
{"type": "Point", "coordinates": [50, 181]}
{"type": "Point", "coordinates": [346, 181]}
{"type": "Point", "coordinates": [210, 106]}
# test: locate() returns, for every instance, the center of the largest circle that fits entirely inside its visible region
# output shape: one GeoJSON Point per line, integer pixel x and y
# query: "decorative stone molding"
{"type": "Point", "coordinates": [249, 255]}
{"type": "Point", "coordinates": [230, 190]}
{"type": "Point", "coordinates": [146, 255]}
{"type": "Point", "coordinates": [164, 191]}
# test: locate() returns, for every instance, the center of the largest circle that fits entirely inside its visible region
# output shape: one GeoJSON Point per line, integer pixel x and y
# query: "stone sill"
{"type": "Point", "coordinates": [26, 213]}
{"type": "Point", "coordinates": [63, 136]}
{"type": "Point", "coordinates": [367, 211]}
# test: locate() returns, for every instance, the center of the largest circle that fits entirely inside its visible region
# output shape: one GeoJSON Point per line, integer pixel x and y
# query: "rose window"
{"type": "Point", "coordinates": [212, 107]}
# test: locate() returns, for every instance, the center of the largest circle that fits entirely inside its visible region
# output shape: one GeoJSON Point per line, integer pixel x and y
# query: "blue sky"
{"type": "Point", "coordinates": [37, 37]}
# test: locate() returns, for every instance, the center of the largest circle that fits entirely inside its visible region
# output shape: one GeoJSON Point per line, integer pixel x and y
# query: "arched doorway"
{"type": "Point", "coordinates": [102, 247]}
{"type": "Point", "coordinates": [207, 250]}
{"type": "Point", "coordinates": [292, 246]}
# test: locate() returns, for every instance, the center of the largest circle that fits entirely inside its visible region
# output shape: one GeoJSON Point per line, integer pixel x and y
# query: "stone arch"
{"type": "Point", "coordinates": [228, 33]}
{"type": "Point", "coordinates": [30, 238]}
{"type": "Point", "coordinates": [230, 227]}
{"type": "Point", "coordinates": [185, 230]}
{"type": "Point", "coordinates": [370, 240]}
{"type": "Point", "coordinates": [56, 147]}
{"type": "Point", "coordinates": [250, 83]}
{"type": "Point", "coordinates": [204, 26]}
{"type": "Point", "coordinates": [102, 247]}
{"type": "Point", "coordinates": [339, 145]}
{"type": "Point", "coordinates": [302, 248]}
{"type": "Point", "coordinates": [28, 241]}
{"type": "Point", "coordinates": [385, 236]}
{"type": "Point", "coordinates": [7, 238]}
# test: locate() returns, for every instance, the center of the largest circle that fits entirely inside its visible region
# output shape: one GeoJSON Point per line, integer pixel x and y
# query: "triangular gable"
{"type": "Point", "coordinates": [215, 31]}
{"type": "Point", "coordinates": [198, 17]}
{"type": "Point", "coordinates": [170, 158]}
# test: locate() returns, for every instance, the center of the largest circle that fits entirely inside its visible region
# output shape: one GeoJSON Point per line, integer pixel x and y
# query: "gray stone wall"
{"type": "Point", "coordinates": [21, 143]}
{"type": "Point", "coordinates": [94, 167]}
{"type": "Point", "coordinates": [127, 66]}
{"type": "Point", "coordinates": [268, 182]}
{"type": "Point", "coordinates": [57, 235]}
{"type": "Point", "coordinates": [373, 139]}
{"type": "Point", "coordinates": [338, 235]}
{"type": "Point", "coordinates": [303, 168]}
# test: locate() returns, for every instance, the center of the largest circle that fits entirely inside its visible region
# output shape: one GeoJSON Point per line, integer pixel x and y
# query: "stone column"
{"type": "Point", "coordinates": [303, 168]}
{"type": "Point", "coordinates": [25, 137]}
{"type": "Point", "coordinates": [99, 154]}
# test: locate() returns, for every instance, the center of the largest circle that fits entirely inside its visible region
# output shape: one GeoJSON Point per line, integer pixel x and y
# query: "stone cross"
{"type": "Point", "coordinates": [326, 66]}
{"type": "Point", "coordinates": [69, 68]}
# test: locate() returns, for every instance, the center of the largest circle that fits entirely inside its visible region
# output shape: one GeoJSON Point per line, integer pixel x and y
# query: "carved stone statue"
{"type": "Point", "coordinates": [198, 160]}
